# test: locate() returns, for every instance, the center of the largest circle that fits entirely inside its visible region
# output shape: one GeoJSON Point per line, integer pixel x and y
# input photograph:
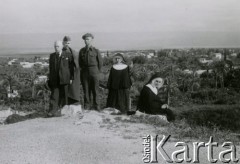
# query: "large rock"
{"type": "Point", "coordinates": [5, 113]}
{"type": "Point", "coordinates": [72, 110]}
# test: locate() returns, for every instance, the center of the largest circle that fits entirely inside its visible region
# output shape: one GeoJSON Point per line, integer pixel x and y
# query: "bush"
{"type": "Point", "coordinates": [107, 61]}
{"type": "Point", "coordinates": [226, 97]}
{"type": "Point", "coordinates": [225, 117]}
{"type": "Point", "coordinates": [139, 60]}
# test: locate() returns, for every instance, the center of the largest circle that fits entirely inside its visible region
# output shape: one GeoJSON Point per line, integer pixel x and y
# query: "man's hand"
{"type": "Point", "coordinates": [164, 106]}
{"type": "Point", "coordinates": [70, 81]}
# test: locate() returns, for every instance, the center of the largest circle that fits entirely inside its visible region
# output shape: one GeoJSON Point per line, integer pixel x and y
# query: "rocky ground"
{"type": "Point", "coordinates": [97, 137]}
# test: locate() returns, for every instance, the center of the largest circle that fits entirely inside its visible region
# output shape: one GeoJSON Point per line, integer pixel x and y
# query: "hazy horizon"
{"type": "Point", "coordinates": [34, 43]}
{"type": "Point", "coordinates": [33, 26]}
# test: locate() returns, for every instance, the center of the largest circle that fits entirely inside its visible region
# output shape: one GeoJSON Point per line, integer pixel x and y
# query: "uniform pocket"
{"type": "Point", "coordinates": [92, 60]}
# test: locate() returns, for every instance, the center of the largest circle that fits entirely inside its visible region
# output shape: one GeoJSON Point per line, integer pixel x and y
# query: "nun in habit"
{"type": "Point", "coordinates": [150, 103]}
{"type": "Point", "coordinates": [119, 84]}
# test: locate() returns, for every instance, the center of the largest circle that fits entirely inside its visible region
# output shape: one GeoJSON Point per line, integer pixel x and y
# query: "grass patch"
{"type": "Point", "coordinates": [181, 130]}
{"type": "Point", "coordinates": [196, 123]}
{"type": "Point", "coordinates": [200, 122]}
{"type": "Point", "coordinates": [223, 117]}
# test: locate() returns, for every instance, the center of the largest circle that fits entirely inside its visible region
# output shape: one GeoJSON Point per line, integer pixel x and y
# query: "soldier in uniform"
{"type": "Point", "coordinates": [90, 62]}
{"type": "Point", "coordinates": [61, 74]}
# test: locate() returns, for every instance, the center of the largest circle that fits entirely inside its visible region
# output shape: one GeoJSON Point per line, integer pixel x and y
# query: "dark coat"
{"type": "Point", "coordinates": [149, 102]}
{"type": "Point", "coordinates": [74, 88]}
{"type": "Point", "coordinates": [61, 69]}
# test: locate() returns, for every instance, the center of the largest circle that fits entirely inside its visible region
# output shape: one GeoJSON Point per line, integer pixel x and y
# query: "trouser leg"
{"type": "Point", "coordinates": [85, 85]}
{"type": "Point", "coordinates": [54, 100]}
{"type": "Point", "coordinates": [95, 90]}
{"type": "Point", "coordinates": [63, 95]}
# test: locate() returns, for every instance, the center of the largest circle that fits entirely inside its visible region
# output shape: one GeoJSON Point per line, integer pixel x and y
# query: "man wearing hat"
{"type": "Point", "coordinates": [90, 62]}
{"type": "Point", "coordinates": [61, 74]}
{"type": "Point", "coordinates": [74, 87]}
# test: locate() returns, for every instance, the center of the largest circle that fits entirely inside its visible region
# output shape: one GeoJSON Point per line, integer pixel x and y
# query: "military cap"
{"type": "Point", "coordinates": [87, 35]}
{"type": "Point", "coordinates": [66, 38]}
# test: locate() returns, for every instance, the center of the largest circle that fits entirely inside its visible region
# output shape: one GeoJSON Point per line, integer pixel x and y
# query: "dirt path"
{"type": "Point", "coordinates": [98, 138]}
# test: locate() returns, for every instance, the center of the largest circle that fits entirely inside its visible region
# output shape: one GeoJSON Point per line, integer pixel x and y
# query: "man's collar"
{"type": "Point", "coordinates": [59, 53]}
{"type": "Point", "coordinates": [66, 48]}
{"type": "Point", "coordinates": [89, 48]}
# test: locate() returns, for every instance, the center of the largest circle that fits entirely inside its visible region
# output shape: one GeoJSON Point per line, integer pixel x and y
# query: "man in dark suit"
{"type": "Point", "coordinates": [61, 74]}
{"type": "Point", "coordinates": [90, 62]}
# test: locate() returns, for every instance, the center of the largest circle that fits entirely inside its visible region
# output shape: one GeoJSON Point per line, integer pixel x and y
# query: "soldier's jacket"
{"type": "Point", "coordinates": [61, 69]}
{"type": "Point", "coordinates": [90, 59]}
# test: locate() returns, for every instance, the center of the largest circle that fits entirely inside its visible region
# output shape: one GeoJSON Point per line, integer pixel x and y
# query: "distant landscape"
{"type": "Point", "coordinates": [19, 43]}
{"type": "Point", "coordinates": [193, 44]}
{"type": "Point", "coordinates": [25, 55]}
{"type": "Point", "coordinates": [201, 85]}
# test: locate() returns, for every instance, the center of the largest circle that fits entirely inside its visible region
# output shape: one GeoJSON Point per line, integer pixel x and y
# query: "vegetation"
{"type": "Point", "coordinates": [205, 103]}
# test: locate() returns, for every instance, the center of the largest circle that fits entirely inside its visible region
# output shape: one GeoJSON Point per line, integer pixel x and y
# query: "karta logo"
{"type": "Point", "coordinates": [152, 148]}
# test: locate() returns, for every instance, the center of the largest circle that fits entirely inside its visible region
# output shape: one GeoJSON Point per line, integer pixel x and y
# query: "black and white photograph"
{"type": "Point", "coordinates": [119, 81]}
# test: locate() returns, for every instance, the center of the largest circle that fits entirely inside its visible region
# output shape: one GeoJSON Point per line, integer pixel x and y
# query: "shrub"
{"type": "Point", "coordinates": [226, 97]}
{"type": "Point", "coordinates": [139, 60]}
{"type": "Point", "coordinates": [107, 61]}
{"type": "Point", "coordinates": [225, 117]}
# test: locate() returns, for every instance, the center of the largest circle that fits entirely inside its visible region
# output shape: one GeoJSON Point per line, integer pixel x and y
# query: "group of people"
{"type": "Point", "coordinates": [68, 70]}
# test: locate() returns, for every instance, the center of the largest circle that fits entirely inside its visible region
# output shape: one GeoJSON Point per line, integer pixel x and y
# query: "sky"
{"type": "Point", "coordinates": [119, 24]}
